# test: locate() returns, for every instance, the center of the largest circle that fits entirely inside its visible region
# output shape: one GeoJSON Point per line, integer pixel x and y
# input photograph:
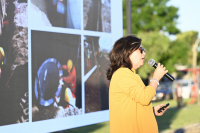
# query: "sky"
{"type": "Point", "coordinates": [189, 14]}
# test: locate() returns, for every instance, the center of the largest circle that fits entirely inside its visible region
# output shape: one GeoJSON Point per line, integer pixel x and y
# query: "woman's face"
{"type": "Point", "coordinates": [137, 58]}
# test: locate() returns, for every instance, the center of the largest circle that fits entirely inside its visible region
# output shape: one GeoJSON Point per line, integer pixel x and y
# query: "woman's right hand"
{"type": "Point", "coordinates": [159, 72]}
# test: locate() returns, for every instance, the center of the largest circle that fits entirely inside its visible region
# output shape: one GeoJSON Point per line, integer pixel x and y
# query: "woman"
{"type": "Point", "coordinates": [130, 106]}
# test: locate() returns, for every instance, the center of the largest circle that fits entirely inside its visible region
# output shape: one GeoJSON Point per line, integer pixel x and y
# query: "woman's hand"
{"type": "Point", "coordinates": [159, 72]}
{"type": "Point", "coordinates": [157, 107]}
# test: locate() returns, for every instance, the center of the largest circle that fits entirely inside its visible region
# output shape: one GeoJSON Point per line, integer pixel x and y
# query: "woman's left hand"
{"type": "Point", "coordinates": [157, 107]}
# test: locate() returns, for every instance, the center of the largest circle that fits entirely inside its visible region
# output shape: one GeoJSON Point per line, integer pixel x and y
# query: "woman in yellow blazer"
{"type": "Point", "coordinates": [130, 107]}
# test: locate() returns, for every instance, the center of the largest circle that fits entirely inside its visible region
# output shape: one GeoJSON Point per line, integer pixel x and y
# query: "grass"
{"type": "Point", "coordinates": [173, 118]}
{"type": "Point", "coordinates": [95, 128]}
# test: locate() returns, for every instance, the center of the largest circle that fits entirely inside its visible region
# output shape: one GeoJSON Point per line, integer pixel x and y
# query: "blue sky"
{"type": "Point", "coordinates": [189, 14]}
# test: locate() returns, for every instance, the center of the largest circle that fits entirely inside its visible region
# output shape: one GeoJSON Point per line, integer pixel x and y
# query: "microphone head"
{"type": "Point", "coordinates": [151, 62]}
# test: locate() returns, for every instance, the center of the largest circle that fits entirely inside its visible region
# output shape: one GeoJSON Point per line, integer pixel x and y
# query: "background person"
{"type": "Point", "coordinates": [70, 79]}
{"type": "Point", "coordinates": [69, 88]}
{"type": "Point", "coordinates": [130, 106]}
{"type": "Point", "coordinates": [65, 99]}
{"type": "Point", "coordinates": [179, 96]}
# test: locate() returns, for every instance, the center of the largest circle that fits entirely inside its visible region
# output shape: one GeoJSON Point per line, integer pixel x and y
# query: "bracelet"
{"type": "Point", "coordinates": [154, 80]}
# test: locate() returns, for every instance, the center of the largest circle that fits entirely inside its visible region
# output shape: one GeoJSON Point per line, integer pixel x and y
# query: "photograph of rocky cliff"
{"type": "Point", "coordinates": [56, 13]}
{"type": "Point", "coordinates": [96, 62]}
{"type": "Point", "coordinates": [13, 62]}
{"type": "Point", "coordinates": [97, 15]}
{"type": "Point", "coordinates": [56, 75]}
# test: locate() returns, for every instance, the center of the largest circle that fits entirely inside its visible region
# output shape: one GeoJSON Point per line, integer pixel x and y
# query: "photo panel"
{"type": "Point", "coordinates": [13, 62]}
{"type": "Point", "coordinates": [56, 75]}
{"type": "Point", "coordinates": [96, 62]}
{"type": "Point", "coordinates": [66, 43]}
{"type": "Point", "coordinates": [97, 15]}
{"type": "Point", "coordinates": [56, 13]}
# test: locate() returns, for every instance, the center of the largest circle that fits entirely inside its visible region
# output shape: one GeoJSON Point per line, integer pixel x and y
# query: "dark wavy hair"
{"type": "Point", "coordinates": [119, 55]}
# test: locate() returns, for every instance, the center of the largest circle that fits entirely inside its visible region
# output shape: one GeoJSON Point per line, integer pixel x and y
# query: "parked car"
{"type": "Point", "coordinates": [163, 92]}
{"type": "Point", "coordinates": [186, 87]}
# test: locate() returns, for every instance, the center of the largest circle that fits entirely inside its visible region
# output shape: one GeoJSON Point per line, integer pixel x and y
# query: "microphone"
{"type": "Point", "coordinates": [152, 63]}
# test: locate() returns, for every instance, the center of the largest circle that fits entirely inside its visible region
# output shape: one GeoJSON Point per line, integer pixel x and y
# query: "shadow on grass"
{"type": "Point", "coordinates": [179, 131]}
{"type": "Point", "coordinates": [84, 129]}
{"type": "Point", "coordinates": [165, 121]}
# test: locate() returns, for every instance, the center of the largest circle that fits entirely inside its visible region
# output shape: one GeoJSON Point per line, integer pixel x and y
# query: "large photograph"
{"type": "Point", "coordinates": [96, 60]}
{"type": "Point", "coordinates": [53, 62]}
{"type": "Point", "coordinates": [97, 15]}
{"type": "Point", "coordinates": [13, 62]}
{"type": "Point", "coordinates": [56, 75]}
{"type": "Point", "coordinates": [56, 13]}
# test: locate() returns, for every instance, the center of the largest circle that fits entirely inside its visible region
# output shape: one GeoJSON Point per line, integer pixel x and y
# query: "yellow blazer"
{"type": "Point", "coordinates": [130, 107]}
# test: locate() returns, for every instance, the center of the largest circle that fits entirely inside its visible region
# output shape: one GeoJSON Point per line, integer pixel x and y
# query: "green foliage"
{"type": "Point", "coordinates": [149, 17]}
{"type": "Point", "coordinates": [180, 51]}
{"type": "Point", "coordinates": [189, 37]}
{"type": "Point", "coordinates": [176, 54]}
{"type": "Point", "coordinates": [155, 45]}
{"type": "Point", "coordinates": [152, 15]}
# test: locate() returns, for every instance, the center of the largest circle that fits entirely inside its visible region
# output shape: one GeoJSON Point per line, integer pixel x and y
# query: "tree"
{"type": "Point", "coordinates": [168, 53]}
{"type": "Point", "coordinates": [189, 37]}
{"type": "Point", "coordinates": [176, 54]}
{"type": "Point", "coordinates": [152, 15]}
{"type": "Point", "coordinates": [155, 44]}
{"type": "Point", "coordinates": [150, 18]}
{"type": "Point", "coordinates": [180, 51]}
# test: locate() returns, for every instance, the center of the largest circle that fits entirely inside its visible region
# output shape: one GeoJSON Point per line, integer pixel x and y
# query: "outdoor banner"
{"type": "Point", "coordinates": [54, 55]}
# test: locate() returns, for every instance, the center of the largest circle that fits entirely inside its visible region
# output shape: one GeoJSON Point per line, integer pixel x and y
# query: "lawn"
{"type": "Point", "coordinates": [176, 118]}
{"type": "Point", "coordinates": [172, 119]}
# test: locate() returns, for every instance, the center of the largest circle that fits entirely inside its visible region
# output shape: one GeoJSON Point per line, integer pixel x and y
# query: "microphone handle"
{"type": "Point", "coordinates": [167, 75]}
{"type": "Point", "coordinates": [155, 65]}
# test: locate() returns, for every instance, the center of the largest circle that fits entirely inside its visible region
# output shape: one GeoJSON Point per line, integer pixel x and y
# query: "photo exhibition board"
{"type": "Point", "coordinates": [54, 55]}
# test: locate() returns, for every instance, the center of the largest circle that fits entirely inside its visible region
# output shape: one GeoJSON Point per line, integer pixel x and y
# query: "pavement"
{"type": "Point", "coordinates": [193, 128]}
